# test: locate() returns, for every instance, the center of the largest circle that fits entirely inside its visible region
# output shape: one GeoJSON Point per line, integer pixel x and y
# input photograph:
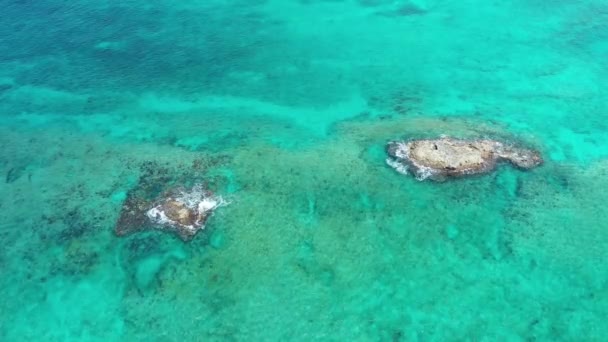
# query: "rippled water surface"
{"type": "Point", "coordinates": [284, 108]}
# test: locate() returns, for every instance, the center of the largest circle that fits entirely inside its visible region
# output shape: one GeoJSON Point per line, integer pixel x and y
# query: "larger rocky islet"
{"type": "Point", "coordinates": [445, 157]}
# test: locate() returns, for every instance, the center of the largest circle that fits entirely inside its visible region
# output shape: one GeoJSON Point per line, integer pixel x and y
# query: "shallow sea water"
{"type": "Point", "coordinates": [284, 108]}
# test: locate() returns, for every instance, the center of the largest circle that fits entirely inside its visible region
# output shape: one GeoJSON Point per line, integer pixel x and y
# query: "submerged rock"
{"type": "Point", "coordinates": [179, 210]}
{"type": "Point", "coordinates": [445, 157]}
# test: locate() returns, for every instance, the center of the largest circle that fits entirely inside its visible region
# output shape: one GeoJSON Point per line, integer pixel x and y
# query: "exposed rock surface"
{"type": "Point", "coordinates": [445, 157]}
{"type": "Point", "coordinates": [178, 210]}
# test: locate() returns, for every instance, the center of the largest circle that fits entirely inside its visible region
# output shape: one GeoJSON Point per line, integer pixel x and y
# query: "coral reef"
{"type": "Point", "coordinates": [439, 159]}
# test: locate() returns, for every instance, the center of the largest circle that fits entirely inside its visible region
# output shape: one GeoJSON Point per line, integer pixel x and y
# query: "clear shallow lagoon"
{"type": "Point", "coordinates": [284, 108]}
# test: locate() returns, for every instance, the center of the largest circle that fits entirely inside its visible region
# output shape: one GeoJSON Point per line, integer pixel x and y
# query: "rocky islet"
{"type": "Point", "coordinates": [178, 210]}
{"type": "Point", "coordinates": [445, 157]}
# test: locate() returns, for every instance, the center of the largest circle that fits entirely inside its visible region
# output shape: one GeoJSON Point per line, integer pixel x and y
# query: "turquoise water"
{"type": "Point", "coordinates": [284, 108]}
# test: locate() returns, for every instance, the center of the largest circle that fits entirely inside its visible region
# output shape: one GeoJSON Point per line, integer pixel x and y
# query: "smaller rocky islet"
{"type": "Point", "coordinates": [167, 200]}
{"type": "Point", "coordinates": [179, 210]}
{"type": "Point", "coordinates": [446, 157]}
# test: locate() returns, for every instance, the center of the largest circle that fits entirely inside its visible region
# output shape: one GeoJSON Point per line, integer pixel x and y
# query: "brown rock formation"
{"type": "Point", "coordinates": [181, 211]}
{"type": "Point", "coordinates": [442, 158]}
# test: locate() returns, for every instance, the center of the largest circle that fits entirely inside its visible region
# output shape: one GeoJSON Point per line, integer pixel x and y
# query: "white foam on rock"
{"type": "Point", "coordinates": [401, 168]}
{"type": "Point", "coordinates": [402, 152]}
{"type": "Point", "coordinates": [158, 216]}
{"type": "Point", "coordinates": [424, 172]}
